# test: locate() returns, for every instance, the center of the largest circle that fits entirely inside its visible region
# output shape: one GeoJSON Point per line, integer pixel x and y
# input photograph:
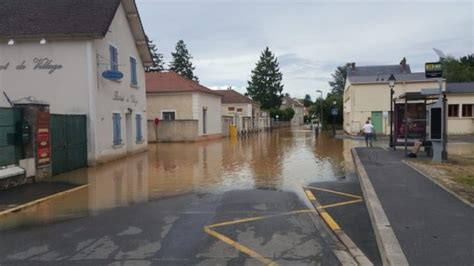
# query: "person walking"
{"type": "Point", "coordinates": [368, 130]}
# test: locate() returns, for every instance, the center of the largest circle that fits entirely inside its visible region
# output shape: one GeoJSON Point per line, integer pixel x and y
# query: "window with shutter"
{"type": "Point", "coordinates": [113, 58]}
{"type": "Point", "coordinates": [138, 119]}
{"type": "Point", "coordinates": [117, 134]}
{"type": "Point", "coordinates": [133, 71]}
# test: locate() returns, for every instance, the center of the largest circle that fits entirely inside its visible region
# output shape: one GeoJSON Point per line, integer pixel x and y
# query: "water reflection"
{"type": "Point", "coordinates": [283, 159]}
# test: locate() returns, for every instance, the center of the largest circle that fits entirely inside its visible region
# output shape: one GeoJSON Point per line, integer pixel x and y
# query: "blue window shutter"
{"type": "Point", "coordinates": [117, 139]}
{"type": "Point", "coordinates": [133, 71]}
{"type": "Point", "coordinates": [135, 81]}
{"type": "Point", "coordinates": [113, 58]}
{"type": "Point", "coordinates": [138, 119]}
{"type": "Point", "coordinates": [114, 127]}
{"type": "Point", "coordinates": [119, 129]}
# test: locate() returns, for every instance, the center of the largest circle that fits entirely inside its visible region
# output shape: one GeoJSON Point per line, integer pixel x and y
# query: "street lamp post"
{"type": "Point", "coordinates": [334, 112]}
{"type": "Point", "coordinates": [391, 84]}
{"type": "Point", "coordinates": [321, 114]}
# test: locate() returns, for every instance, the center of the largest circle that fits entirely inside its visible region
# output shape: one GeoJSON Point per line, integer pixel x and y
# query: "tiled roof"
{"type": "Point", "coordinates": [381, 79]}
{"type": "Point", "coordinates": [165, 82]}
{"type": "Point", "coordinates": [290, 101]}
{"type": "Point", "coordinates": [377, 70]}
{"type": "Point", "coordinates": [231, 96]}
{"type": "Point", "coordinates": [56, 18]}
{"type": "Point", "coordinates": [460, 87]}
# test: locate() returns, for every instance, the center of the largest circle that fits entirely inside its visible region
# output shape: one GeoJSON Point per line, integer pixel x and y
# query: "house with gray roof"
{"type": "Point", "coordinates": [367, 96]}
{"type": "Point", "coordinates": [84, 58]}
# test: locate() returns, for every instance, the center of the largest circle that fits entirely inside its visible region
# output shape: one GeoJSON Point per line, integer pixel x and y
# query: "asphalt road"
{"type": "Point", "coordinates": [172, 232]}
{"type": "Point", "coordinates": [353, 218]}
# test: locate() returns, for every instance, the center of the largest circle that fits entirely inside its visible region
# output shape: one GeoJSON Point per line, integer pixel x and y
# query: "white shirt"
{"type": "Point", "coordinates": [368, 128]}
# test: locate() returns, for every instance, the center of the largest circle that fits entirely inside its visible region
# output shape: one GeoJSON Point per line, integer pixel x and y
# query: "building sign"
{"type": "Point", "coordinates": [112, 75]}
{"type": "Point", "coordinates": [43, 152]}
{"type": "Point", "coordinates": [433, 70]}
{"type": "Point", "coordinates": [39, 64]}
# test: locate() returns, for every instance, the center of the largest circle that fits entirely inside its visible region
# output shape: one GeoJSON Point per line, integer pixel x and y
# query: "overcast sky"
{"type": "Point", "coordinates": [310, 38]}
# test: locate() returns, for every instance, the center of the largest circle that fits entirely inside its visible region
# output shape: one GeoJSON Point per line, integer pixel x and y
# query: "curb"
{"type": "Point", "coordinates": [38, 201]}
{"type": "Point", "coordinates": [438, 183]}
{"type": "Point", "coordinates": [352, 248]}
{"type": "Point", "coordinates": [390, 250]}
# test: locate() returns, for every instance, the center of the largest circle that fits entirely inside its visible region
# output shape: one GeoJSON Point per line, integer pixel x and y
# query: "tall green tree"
{"type": "Point", "coordinates": [461, 70]}
{"type": "Point", "coordinates": [265, 84]}
{"type": "Point", "coordinates": [307, 102]}
{"type": "Point", "coordinates": [181, 61]}
{"type": "Point", "coordinates": [339, 79]}
{"type": "Point", "coordinates": [158, 63]}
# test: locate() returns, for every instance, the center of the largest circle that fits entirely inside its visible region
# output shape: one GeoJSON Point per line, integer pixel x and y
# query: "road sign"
{"type": "Point", "coordinates": [334, 111]}
{"type": "Point", "coordinates": [157, 121]}
{"type": "Point", "coordinates": [433, 70]}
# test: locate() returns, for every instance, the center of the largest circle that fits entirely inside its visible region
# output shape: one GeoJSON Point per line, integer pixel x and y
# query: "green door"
{"type": "Point", "coordinates": [377, 121]}
{"type": "Point", "coordinates": [68, 142]}
{"type": "Point", "coordinates": [11, 149]}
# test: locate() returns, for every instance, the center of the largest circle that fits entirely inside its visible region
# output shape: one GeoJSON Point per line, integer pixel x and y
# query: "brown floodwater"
{"type": "Point", "coordinates": [284, 159]}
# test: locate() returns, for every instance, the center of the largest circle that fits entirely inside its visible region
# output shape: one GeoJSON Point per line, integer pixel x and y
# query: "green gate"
{"type": "Point", "coordinates": [11, 150]}
{"type": "Point", "coordinates": [68, 142]}
{"type": "Point", "coordinates": [377, 122]}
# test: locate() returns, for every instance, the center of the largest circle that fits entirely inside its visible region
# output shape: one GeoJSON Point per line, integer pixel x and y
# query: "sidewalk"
{"type": "Point", "coordinates": [432, 226]}
{"type": "Point", "coordinates": [13, 199]}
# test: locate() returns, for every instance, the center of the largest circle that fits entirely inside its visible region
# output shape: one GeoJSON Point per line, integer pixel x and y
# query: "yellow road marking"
{"type": "Point", "coordinates": [336, 192]}
{"type": "Point", "coordinates": [339, 204]}
{"type": "Point", "coordinates": [239, 247]}
{"type": "Point", "coordinates": [257, 218]}
{"type": "Point", "coordinates": [310, 195]}
{"type": "Point", "coordinates": [38, 201]}
{"type": "Point", "coordinates": [330, 221]}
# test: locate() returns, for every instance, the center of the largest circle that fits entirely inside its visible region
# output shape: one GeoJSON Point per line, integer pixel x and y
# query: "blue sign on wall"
{"type": "Point", "coordinates": [112, 75]}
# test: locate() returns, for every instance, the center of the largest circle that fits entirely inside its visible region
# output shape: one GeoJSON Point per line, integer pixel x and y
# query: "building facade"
{"type": "Point", "coordinates": [367, 95]}
{"type": "Point", "coordinates": [187, 111]}
{"type": "Point", "coordinates": [242, 111]}
{"type": "Point", "coordinates": [60, 57]}
{"type": "Point", "coordinates": [297, 106]}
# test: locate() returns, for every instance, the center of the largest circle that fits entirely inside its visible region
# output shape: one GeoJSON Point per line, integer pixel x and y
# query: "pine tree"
{"type": "Point", "coordinates": [265, 84]}
{"type": "Point", "coordinates": [158, 63]}
{"type": "Point", "coordinates": [181, 62]}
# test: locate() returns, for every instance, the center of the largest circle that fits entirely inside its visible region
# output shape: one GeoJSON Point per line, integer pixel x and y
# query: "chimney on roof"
{"type": "Point", "coordinates": [353, 66]}
{"type": "Point", "coordinates": [403, 65]}
{"type": "Point", "coordinates": [229, 88]}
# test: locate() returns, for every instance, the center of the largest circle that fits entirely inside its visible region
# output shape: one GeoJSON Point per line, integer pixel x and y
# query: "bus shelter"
{"type": "Point", "coordinates": [410, 118]}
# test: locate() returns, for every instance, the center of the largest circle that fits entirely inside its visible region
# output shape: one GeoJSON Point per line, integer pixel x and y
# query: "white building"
{"type": "Point", "coordinates": [297, 106]}
{"type": "Point", "coordinates": [187, 110]}
{"type": "Point", "coordinates": [57, 51]}
{"type": "Point", "coordinates": [242, 111]}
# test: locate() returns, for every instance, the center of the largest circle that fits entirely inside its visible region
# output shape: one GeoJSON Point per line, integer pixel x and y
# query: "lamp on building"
{"type": "Point", "coordinates": [11, 42]}
{"type": "Point", "coordinates": [391, 85]}
{"type": "Point", "coordinates": [43, 41]}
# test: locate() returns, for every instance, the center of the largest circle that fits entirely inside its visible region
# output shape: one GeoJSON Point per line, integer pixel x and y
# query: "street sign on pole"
{"type": "Point", "coordinates": [433, 70]}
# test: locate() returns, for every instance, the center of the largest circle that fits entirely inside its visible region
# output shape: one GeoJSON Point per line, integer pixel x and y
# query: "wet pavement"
{"type": "Point", "coordinates": [229, 201]}
{"type": "Point", "coordinates": [280, 160]}
{"type": "Point", "coordinates": [221, 202]}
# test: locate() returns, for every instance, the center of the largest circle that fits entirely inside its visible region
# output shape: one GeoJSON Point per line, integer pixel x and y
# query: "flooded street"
{"type": "Point", "coordinates": [283, 160]}
{"type": "Point", "coordinates": [228, 201]}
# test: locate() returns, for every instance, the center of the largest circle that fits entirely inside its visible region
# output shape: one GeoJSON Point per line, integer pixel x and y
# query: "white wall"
{"type": "Point", "coordinates": [213, 104]}
{"type": "Point", "coordinates": [78, 87]}
{"type": "Point", "coordinates": [65, 89]}
{"type": "Point", "coordinates": [134, 98]}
